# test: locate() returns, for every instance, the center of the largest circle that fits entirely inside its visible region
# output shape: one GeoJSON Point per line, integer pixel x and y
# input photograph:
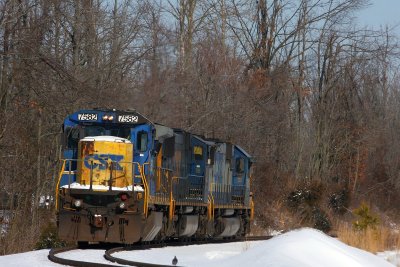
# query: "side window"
{"type": "Point", "coordinates": [71, 137]}
{"type": "Point", "coordinates": [198, 152]}
{"type": "Point", "coordinates": [141, 141]}
{"type": "Point", "coordinates": [211, 155]}
{"type": "Point", "coordinates": [239, 165]}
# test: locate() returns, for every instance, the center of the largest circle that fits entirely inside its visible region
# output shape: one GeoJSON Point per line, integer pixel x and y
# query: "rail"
{"type": "Point", "coordinates": [52, 257]}
{"type": "Point", "coordinates": [140, 246]}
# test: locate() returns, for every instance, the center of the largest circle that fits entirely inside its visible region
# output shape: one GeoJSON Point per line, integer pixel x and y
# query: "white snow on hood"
{"type": "Point", "coordinates": [106, 138]}
{"type": "Point", "coordinates": [98, 187]}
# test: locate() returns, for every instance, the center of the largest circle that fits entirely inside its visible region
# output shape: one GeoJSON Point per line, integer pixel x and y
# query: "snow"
{"type": "Point", "coordinates": [32, 258]}
{"type": "Point", "coordinates": [391, 256]}
{"type": "Point", "coordinates": [300, 248]}
{"type": "Point", "coordinates": [195, 255]}
{"type": "Point", "coordinates": [98, 187]}
{"type": "Point", "coordinates": [106, 138]}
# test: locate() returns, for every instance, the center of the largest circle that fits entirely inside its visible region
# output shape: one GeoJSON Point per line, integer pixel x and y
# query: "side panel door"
{"type": "Point", "coordinates": [199, 152]}
{"type": "Point", "coordinates": [197, 168]}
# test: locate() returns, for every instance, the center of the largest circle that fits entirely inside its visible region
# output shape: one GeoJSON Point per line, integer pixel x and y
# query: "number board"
{"type": "Point", "coordinates": [128, 118]}
{"type": "Point", "coordinates": [87, 117]}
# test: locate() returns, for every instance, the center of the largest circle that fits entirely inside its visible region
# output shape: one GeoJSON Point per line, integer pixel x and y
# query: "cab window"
{"type": "Point", "coordinates": [198, 152]}
{"type": "Point", "coordinates": [141, 141]}
{"type": "Point", "coordinates": [71, 137]}
{"type": "Point", "coordinates": [239, 165]}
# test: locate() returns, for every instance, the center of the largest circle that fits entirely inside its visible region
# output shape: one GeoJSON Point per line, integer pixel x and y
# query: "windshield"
{"type": "Point", "coordinates": [99, 131]}
{"type": "Point", "coordinates": [74, 134]}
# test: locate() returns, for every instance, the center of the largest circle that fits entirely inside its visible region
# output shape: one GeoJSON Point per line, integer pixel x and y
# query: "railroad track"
{"type": "Point", "coordinates": [108, 254]}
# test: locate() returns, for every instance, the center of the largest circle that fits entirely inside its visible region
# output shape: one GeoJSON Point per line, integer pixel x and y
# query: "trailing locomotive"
{"type": "Point", "coordinates": [126, 179]}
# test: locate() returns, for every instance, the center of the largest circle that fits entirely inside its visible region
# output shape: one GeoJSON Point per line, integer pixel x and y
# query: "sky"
{"type": "Point", "coordinates": [380, 13]}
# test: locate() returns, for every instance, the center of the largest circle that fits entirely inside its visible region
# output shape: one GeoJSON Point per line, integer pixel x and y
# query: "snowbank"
{"type": "Point", "coordinates": [302, 248]}
{"type": "Point", "coordinates": [391, 256]}
{"type": "Point", "coordinates": [32, 258]}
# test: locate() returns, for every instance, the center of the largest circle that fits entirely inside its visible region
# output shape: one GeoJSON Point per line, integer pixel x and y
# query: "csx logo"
{"type": "Point", "coordinates": [102, 161]}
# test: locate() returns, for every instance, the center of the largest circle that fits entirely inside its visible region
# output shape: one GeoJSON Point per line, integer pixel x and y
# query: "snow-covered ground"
{"type": "Point", "coordinates": [391, 256]}
{"type": "Point", "coordinates": [301, 248]}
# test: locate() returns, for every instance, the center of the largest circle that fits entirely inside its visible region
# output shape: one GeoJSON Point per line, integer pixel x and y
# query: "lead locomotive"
{"type": "Point", "coordinates": [126, 179]}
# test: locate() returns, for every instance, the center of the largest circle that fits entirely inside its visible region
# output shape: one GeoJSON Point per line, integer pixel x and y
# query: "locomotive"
{"type": "Point", "coordinates": [125, 179]}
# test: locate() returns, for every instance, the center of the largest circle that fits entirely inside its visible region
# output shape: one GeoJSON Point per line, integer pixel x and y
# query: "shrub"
{"type": "Point", "coordinates": [309, 195]}
{"type": "Point", "coordinates": [321, 220]}
{"type": "Point", "coordinates": [339, 201]}
{"type": "Point", "coordinates": [366, 219]}
{"type": "Point", "coordinates": [49, 238]}
{"type": "Point", "coordinates": [305, 203]}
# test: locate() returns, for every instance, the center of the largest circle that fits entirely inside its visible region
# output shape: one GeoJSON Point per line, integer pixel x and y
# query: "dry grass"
{"type": "Point", "coordinates": [373, 240]}
{"type": "Point", "coordinates": [274, 216]}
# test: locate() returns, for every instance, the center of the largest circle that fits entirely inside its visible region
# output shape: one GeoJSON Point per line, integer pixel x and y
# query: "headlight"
{"type": "Point", "coordinates": [108, 117]}
{"type": "Point", "coordinates": [78, 203]}
{"type": "Point", "coordinates": [122, 205]}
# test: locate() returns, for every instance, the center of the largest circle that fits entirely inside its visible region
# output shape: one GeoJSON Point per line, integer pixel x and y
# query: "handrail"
{"type": "Point", "coordinates": [142, 177]}
{"type": "Point", "coordinates": [171, 213]}
{"type": "Point", "coordinates": [251, 210]}
{"type": "Point", "coordinates": [146, 189]}
{"type": "Point", "coordinates": [196, 176]}
{"type": "Point", "coordinates": [210, 212]}
{"type": "Point", "coordinates": [213, 211]}
{"type": "Point", "coordinates": [58, 182]}
{"type": "Point", "coordinates": [160, 183]}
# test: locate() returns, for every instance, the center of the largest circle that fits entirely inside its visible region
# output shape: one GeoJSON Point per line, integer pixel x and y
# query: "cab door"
{"type": "Point", "coordinates": [239, 169]}
{"type": "Point", "coordinates": [240, 175]}
{"type": "Point", "coordinates": [70, 138]}
{"type": "Point", "coordinates": [141, 137]}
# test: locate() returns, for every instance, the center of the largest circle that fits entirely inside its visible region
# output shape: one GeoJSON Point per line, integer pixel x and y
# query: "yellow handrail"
{"type": "Point", "coordinates": [58, 183]}
{"type": "Point", "coordinates": [210, 212]}
{"type": "Point", "coordinates": [146, 189]}
{"type": "Point", "coordinates": [171, 213]}
{"type": "Point", "coordinates": [251, 210]}
{"type": "Point", "coordinates": [142, 176]}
